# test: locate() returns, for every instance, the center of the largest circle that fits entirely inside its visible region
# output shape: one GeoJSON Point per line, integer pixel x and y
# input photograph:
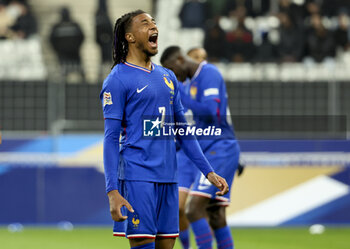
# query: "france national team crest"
{"type": "Point", "coordinates": [193, 92]}
{"type": "Point", "coordinates": [107, 98]}
{"type": "Point", "coordinates": [169, 84]}
{"type": "Point", "coordinates": [135, 221]}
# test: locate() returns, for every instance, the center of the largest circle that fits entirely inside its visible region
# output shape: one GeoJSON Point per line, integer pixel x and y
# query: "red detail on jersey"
{"type": "Point", "coordinates": [138, 67]}
{"type": "Point", "coordinates": [218, 110]}
{"type": "Point", "coordinates": [119, 235]}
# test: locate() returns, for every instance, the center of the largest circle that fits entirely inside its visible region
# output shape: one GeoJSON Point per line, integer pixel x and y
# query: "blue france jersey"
{"type": "Point", "coordinates": [129, 94]}
{"type": "Point", "coordinates": [184, 87]}
{"type": "Point", "coordinates": [208, 84]}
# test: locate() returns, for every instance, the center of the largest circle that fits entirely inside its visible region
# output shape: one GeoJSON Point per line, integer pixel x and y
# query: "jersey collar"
{"type": "Point", "coordinates": [198, 70]}
{"type": "Point", "coordinates": [140, 68]}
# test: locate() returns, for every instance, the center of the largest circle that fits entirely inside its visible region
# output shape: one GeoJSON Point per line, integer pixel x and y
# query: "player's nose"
{"type": "Point", "coordinates": [154, 26]}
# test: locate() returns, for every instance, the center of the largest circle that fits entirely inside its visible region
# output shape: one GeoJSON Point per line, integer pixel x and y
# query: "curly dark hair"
{"type": "Point", "coordinates": [120, 44]}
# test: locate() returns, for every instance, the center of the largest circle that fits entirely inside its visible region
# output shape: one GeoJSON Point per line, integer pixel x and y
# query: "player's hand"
{"type": "Point", "coordinates": [116, 202]}
{"type": "Point", "coordinates": [218, 182]}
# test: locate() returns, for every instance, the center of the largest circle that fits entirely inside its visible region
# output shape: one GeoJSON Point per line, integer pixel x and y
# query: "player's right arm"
{"type": "Point", "coordinates": [192, 149]}
{"type": "Point", "coordinates": [113, 97]}
{"type": "Point", "coordinates": [111, 163]}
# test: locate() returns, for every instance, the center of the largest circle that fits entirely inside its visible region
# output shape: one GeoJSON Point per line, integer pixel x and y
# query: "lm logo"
{"type": "Point", "coordinates": [151, 128]}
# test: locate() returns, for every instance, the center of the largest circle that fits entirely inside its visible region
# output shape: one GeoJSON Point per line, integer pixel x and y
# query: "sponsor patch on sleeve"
{"type": "Point", "coordinates": [211, 91]}
{"type": "Point", "coordinates": [107, 98]}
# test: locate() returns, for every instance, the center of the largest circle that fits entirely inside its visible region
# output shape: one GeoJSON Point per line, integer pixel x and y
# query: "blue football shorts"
{"type": "Point", "coordinates": [187, 171]}
{"type": "Point", "coordinates": [156, 207]}
{"type": "Point", "coordinates": [224, 160]}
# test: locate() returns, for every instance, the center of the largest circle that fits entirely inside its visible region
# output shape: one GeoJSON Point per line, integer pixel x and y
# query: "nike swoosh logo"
{"type": "Point", "coordinates": [140, 90]}
{"type": "Point", "coordinates": [201, 187]}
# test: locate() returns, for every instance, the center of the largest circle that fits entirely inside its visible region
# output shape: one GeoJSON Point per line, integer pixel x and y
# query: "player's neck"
{"type": "Point", "coordinates": [193, 66]}
{"type": "Point", "coordinates": [139, 58]}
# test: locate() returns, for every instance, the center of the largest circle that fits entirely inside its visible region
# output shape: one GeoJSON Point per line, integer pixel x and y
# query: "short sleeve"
{"type": "Point", "coordinates": [210, 84]}
{"type": "Point", "coordinates": [113, 98]}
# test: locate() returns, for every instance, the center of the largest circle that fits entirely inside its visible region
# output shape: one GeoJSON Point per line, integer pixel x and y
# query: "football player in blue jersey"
{"type": "Point", "coordinates": [187, 172]}
{"type": "Point", "coordinates": [139, 98]}
{"type": "Point", "coordinates": [205, 95]}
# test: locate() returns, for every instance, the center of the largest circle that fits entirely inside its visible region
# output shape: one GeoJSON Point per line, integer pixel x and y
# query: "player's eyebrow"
{"type": "Point", "coordinates": [146, 20]}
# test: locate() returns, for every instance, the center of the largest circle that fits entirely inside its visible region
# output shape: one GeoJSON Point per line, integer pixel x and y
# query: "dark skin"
{"type": "Point", "coordinates": [183, 221]}
{"type": "Point", "coordinates": [216, 214]}
{"type": "Point", "coordinates": [185, 67]}
{"type": "Point", "coordinates": [143, 26]}
{"type": "Point", "coordinates": [198, 208]}
{"type": "Point", "coordinates": [141, 48]}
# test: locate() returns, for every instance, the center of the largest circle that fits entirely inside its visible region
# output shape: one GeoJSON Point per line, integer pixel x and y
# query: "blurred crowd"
{"type": "Point", "coordinates": [67, 38]}
{"type": "Point", "coordinates": [16, 20]}
{"type": "Point", "coordinates": [270, 30]}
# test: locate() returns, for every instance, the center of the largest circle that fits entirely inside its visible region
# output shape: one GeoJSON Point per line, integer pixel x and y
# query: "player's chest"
{"type": "Point", "coordinates": [194, 90]}
{"type": "Point", "coordinates": [154, 88]}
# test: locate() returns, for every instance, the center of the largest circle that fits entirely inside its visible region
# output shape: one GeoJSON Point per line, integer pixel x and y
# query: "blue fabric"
{"type": "Point", "coordinates": [208, 107]}
{"type": "Point", "coordinates": [156, 209]}
{"type": "Point", "coordinates": [146, 246]}
{"type": "Point", "coordinates": [225, 164]}
{"type": "Point", "coordinates": [111, 153]}
{"type": "Point", "coordinates": [203, 235]}
{"type": "Point", "coordinates": [185, 238]}
{"type": "Point", "coordinates": [187, 171]}
{"type": "Point", "coordinates": [191, 147]}
{"type": "Point", "coordinates": [197, 108]}
{"type": "Point", "coordinates": [207, 98]}
{"type": "Point", "coordinates": [131, 93]}
{"type": "Point", "coordinates": [224, 238]}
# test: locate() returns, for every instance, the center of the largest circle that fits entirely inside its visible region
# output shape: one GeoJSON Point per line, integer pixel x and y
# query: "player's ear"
{"type": "Point", "coordinates": [130, 37]}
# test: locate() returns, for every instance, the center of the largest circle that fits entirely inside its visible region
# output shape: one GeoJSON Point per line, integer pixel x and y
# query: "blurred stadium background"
{"type": "Point", "coordinates": [287, 68]}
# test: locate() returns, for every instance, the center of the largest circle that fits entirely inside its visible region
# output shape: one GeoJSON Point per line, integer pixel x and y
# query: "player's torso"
{"type": "Point", "coordinates": [150, 94]}
{"type": "Point", "coordinates": [196, 90]}
{"type": "Point", "coordinates": [148, 90]}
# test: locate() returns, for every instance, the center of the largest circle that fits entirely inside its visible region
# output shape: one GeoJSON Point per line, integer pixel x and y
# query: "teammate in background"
{"type": "Point", "coordinates": [187, 172]}
{"type": "Point", "coordinates": [141, 176]}
{"type": "Point", "coordinates": [207, 98]}
{"type": "Point", "coordinates": [197, 54]}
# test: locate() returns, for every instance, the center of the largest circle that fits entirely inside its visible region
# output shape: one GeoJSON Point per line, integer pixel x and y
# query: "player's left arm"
{"type": "Point", "coordinates": [204, 108]}
{"type": "Point", "coordinates": [210, 97]}
{"type": "Point", "coordinates": [192, 149]}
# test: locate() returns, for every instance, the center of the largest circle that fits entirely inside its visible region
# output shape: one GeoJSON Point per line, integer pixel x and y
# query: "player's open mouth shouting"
{"type": "Point", "coordinates": [153, 40]}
